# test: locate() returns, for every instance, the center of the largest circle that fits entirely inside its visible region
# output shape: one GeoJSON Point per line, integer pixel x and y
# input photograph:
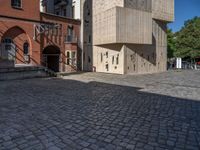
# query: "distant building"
{"type": "Point", "coordinates": [48, 38]}
{"type": "Point", "coordinates": [125, 36]}
{"type": "Point", "coordinates": [57, 7]}
{"type": "Point", "coordinates": [66, 8]}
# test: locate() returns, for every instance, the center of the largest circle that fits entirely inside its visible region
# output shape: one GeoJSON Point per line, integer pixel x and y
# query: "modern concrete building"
{"type": "Point", "coordinates": [125, 36]}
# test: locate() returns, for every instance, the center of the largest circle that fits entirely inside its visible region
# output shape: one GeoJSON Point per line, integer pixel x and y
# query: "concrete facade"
{"type": "Point", "coordinates": [125, 36]}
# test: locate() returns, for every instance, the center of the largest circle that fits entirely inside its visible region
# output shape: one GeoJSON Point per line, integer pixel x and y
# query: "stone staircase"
{"type": "Point", "coordinates": [25, 72]}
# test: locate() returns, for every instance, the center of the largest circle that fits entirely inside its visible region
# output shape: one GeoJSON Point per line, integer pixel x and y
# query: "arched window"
{"type": "Point", "coordinates": [16, 3]}
{"type": "Point", "coordinates": [26, 48]}
{"type": "Point", "coordinates": [7, 41]}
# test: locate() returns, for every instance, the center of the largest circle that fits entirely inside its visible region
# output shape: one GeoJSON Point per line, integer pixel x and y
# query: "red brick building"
{"type": "Point", "coordinates": [29, 36]}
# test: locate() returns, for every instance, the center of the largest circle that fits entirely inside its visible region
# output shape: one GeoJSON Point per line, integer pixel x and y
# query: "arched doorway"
{"type": "Point", "coordinates": [51, 56]}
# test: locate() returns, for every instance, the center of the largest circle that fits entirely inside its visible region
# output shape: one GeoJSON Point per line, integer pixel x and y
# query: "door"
{"type": "Point", "coordinates": [53, 62]}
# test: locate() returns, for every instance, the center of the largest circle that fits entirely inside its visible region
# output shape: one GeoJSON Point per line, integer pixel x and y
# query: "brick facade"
{"type": "Point", "coordinates": [22, 26]}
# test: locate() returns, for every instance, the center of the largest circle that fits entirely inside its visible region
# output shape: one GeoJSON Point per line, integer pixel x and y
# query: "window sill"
{"type": "Point", "coordinates": [18, 8]}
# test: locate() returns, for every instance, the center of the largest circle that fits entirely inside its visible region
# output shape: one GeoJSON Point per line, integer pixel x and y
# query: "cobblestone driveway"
{"type": "Point", "coordinates": [102, 112]}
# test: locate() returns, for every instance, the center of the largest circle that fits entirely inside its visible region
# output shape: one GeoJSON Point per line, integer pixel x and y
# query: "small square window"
{"type": "Point", "coordinates": [16, 3]}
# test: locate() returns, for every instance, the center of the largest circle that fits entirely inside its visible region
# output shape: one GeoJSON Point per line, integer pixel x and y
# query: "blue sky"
{"type": "Point", "coordinates": [184, 10]}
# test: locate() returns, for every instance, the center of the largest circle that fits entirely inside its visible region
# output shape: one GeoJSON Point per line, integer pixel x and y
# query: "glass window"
{"type": "Point", "coordinates": [7, 41]}
{"type": "Point", "coordinates": [26, 48]}
{"type": "Point", "coordinates": [68, 58]}
{"type": "Point", "coordinates": [70, 33]}
{"type": "Point", "coordinates": [16, 3]}
{"type": "Point", "coordinates": [73, 54]}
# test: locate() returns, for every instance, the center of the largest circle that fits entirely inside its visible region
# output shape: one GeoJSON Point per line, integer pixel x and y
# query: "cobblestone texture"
{"type": "Point", "coordinates": [102, 112]}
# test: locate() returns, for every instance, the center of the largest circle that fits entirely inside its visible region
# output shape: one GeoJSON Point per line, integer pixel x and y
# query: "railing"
{"type": "Point", "coordinates": [72, 62]}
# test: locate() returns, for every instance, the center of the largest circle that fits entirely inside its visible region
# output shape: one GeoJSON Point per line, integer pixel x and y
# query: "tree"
{"type": "Point", "coordinates": [188, 40]}
{"type": "Point", "coordinates": [171, 44]}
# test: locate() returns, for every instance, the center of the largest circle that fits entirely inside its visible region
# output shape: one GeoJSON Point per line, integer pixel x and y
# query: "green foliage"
{"type": "Point", "coordinates": [171, 44]}
{"type": "Point", "coordinates": [188, 40]}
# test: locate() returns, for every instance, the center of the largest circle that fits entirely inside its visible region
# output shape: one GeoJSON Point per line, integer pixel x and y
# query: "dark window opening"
{"type": "Point", "coordinates": [89, 60]}
{"type": "Point", "coordinates": [106, 54]}
{"type": "Point", "coordinates": [89, 38]}
{"type": "Point", "coordinates": [64, 12]}
{"type": "Point", "coordinates": [7, 41]}
{"type": "Point", "coordinates": [101, 57]}
{"type": "Point", "coordinates": [117, 60]}
{"type": "Point", "coordinates": [26, 48]}
{"type": "Point", "coordinates": [73, 12]}
{"type": "Point", "coordinates": [107, 67]}
{"type": "Point", "coordinates": [70, 34]}
{"type": "Point", "coordinates": [58, 13]}
{"type": "Point", "coordinates": [68, 58]}
{"type": "Point", "coordinates": [88, 11]}
{"type": "Point", "coordinates": [8, 47]}
{"type": "Point", "coordinates": [16, 3]}
{"type": "Point", "coordinates": [113, 60]}
{"type": "Point", "coordinates": [84, 56]}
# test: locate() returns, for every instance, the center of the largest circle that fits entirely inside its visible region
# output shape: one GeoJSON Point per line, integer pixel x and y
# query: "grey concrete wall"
{"type": "Point", "coordinates": [144, 5]}
{"type": "Point", "coordinates": [125, 30]}
{"type": "Point", "coordinates": [140, 59]}
{"type": "Point", "coordinates": [109, 58]}
{"type": "Point", "coordinates": [163, 10]}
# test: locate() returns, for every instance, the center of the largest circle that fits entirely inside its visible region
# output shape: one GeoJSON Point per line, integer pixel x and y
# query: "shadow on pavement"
{"type": "Point", "coordinates": [68, 114]}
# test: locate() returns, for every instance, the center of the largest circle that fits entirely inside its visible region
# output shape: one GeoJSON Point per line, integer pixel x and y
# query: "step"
{"type": "Point", "coordinates": [6, 63]}
{"type": "Point", "coordinates": [25, 72]}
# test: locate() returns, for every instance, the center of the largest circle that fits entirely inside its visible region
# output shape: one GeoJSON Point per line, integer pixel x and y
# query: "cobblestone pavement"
{"type": "Point", "coordinates": [92, 111]}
